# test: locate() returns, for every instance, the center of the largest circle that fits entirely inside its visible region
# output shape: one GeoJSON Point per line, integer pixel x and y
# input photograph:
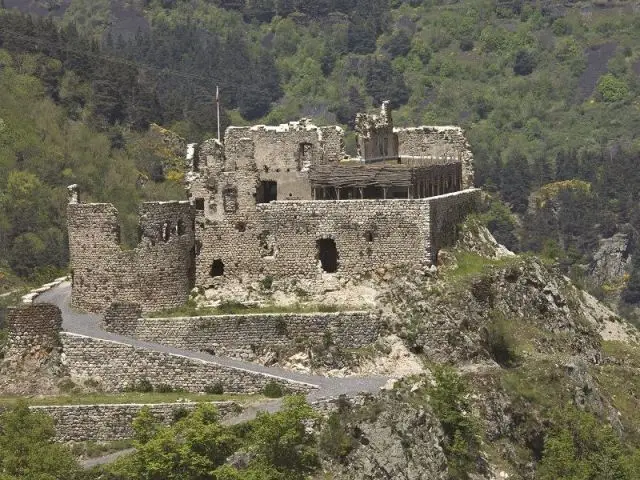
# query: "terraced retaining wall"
{"type": "Point", "coordinates": [246, 335]}
{"type": "Point", "coordinates": [78, 423]}
{"type": "Point", "coordinates": [117, 366]}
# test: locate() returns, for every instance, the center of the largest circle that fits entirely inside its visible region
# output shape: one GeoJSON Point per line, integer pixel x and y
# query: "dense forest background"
{"type": "Point", "coordinates": [546, 90]}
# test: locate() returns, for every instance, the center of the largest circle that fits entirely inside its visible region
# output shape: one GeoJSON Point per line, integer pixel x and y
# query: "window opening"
{"type": "Point", "coordinates": [217, 268]}
{"type": "Point", "coordinates": [230, 200]}
{"type": "Point", "coordinates": [200, 204]}
{"type": "Point", "coordinates": [180, 228]}
{"type": "Point", "coordinates": [305, 153]}
{"type": "Point", "coordinates": [267, 191]}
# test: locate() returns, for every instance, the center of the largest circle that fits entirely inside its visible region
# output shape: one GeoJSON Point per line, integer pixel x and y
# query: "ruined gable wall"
{"type": "Point", "coordinates": [440, 143]}
{"type": "Point", "coordinates": [333, 142]}
{"type": "Point", "coordinates": [246, 336]}
{"type": "Point", "coordinates": [157, 274]}
{"type": "Point", "coordinates": [277, 151]}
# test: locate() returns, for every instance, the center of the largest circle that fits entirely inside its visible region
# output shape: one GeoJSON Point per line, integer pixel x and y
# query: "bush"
{"type": "Point", "coordinates": [500, 343]}
{"type": "Point", "coordinates": [178, 414]}
{"type": "Point", "coordinates": [334, 439]}
{"type": "Point", "coordinates": [215, 389]}
{"type": "Point", "coordinates": [449, 399]}
{"type": "Point", "coordinates": [273, 390]}
{"type": "Point", "coordinates": [612, 89]}
{"type": "Point", "coordinates": [142, 386]}
{"type": "Point", "coordinates": [267, 282]}
{"type": "Point", "coordinates": [164, 388]}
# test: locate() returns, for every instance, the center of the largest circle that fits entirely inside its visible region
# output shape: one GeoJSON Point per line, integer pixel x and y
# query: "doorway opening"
{"type": "Point", "coordinates": [327, 254]}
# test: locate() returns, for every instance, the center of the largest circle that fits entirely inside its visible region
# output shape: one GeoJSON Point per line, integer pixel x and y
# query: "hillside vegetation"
{"type": "Point", "coordinates": [547, 92]}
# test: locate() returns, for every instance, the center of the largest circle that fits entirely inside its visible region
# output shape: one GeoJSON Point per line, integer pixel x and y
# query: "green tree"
{"type": "Point", "coordinates": [612, 89]}
{"type": "Point", "coordinates": [27, 449]}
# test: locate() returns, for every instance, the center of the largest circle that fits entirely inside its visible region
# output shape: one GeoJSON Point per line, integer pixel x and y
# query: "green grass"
{"type": "Point", "coordinates": [92, 449]}
{"type": "Point", "coordinates": [126, 397]}
{"type": "Point", "coordinates": [469, 264]}
{"type": "Point", "coordinates": [236, 308]}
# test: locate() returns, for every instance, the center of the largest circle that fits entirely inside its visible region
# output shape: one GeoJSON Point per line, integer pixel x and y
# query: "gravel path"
{"type": "Point", "coordinates": [90, 325]}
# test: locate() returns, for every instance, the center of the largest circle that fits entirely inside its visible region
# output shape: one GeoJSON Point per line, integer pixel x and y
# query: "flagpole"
{"type": "Point", "coordinates": [218, 109]}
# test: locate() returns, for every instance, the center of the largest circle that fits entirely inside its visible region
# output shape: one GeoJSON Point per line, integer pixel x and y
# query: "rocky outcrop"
{"type": "Point", "coordinates": [612, 260]}
{"type": "Point", "coordinates": [402, 441]}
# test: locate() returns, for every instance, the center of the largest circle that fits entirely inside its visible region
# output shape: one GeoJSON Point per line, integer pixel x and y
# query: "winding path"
{"type": "Point", "coordinates": [90, 326]}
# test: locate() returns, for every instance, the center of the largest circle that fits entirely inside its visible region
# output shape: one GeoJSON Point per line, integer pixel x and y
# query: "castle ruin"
{"type": "Point", "coordinates": [283, 202]}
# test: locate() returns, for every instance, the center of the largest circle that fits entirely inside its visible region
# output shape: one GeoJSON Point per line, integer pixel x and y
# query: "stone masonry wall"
{"type": "Point", "coordinates": [247, 335]}
{"type": "Point", "coordinates": [446, 212]}
{"type": "Point", "coordinates": [279, 238]}
{"type": "Point", "coordinates": [117, 366]}
{"type": "Point", "coordinates": [34, 326]}
{"type": "Point", "coordinates": [78, 423]}
{"type": "Point", "coordinates": [439, 143]}
{"type": "Point", "coordinates": [157, 274]}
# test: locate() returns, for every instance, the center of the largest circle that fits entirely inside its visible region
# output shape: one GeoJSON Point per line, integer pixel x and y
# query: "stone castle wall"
{"type": "Point", "coordinates": [438, 144]}
{"type": "Point", "coordinates": [157, 274]}
{"type": "Point", "coordinates": [445, 214]}
{"type": "Point", "coordinates": [34, 326]}
{"type": "Point", "coordinates": [246, 336]}
{"type": "Point", "coordinates": [105, 423]}
{"type": "Point", "coordinates": [117, 366]}
{"type": "Point", "coordinates": [279, 238]}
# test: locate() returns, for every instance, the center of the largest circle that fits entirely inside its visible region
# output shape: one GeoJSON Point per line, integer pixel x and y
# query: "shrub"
{"type": "Point", "coordinates": [612, 89]}
{"type": "Point", "coordinates": [334, 439]}
{"type": "Point", "coordinates": [267, 282]}
{"type": "Point", "coordinates": [500, 343]}
{"type": "Point", "coordinates": [66, 385]}
{"type": "Point", "coordinates": [178, 414]}
{"type": "Point", "coordinates": [449, 399]}
{"type": "Point", "coordinates": [215, 389]}
{"type": "Point", "coordinates": [164, 388]}
{"type": "Point", "coordinates": [281, 326]}
{"type": "Point", "coordinates": [143, 386]}
{"type": "Point", "coordinates": [273, 390]}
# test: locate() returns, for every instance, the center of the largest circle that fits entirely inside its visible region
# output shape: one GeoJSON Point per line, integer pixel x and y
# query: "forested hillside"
{"type": "Point", "coordinates": [546, 90]}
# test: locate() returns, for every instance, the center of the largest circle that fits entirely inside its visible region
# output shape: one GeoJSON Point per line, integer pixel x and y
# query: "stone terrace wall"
{"type": "Point", "coordinates": [33, 326]}
{"type": "Point", "coordinates": [247, 335]}
{"type": "Point", "coordinates": [157, 274]}
{"type": "Point", "coordinates": [446, 212]}
{"type": "Point", "coordinates": [438, 142]}
{"type": "Point", "coordinates": [78, 423]}
{"type": "Point", "coordinates": [117, 366]}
